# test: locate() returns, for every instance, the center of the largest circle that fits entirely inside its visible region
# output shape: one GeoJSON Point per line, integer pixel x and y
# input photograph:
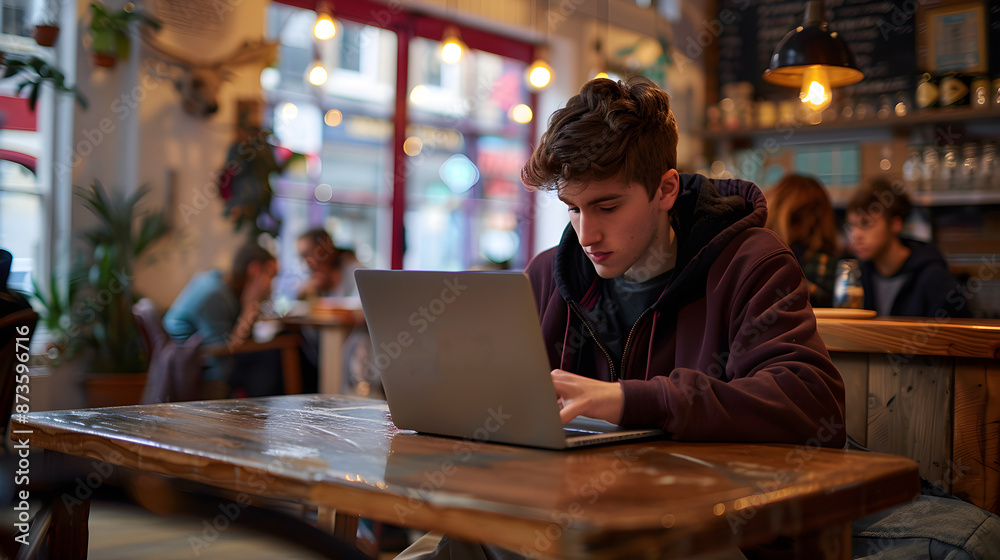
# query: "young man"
{"type": "Point", "coordinates": [900, 276]}
{"type": "Point", "coordinates": [222, 308]}
{"type": "Point", "coordinates": [667, 304]}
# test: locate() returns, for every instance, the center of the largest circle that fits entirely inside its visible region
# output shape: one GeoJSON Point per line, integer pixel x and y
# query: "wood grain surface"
{"type": "Point", "coordinates": [910, 336]}
{"type": "Point", "coordinates": [668, 499]}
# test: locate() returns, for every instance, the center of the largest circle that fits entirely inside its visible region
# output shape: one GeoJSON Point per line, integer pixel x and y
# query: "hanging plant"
{"type": "Point", "coordinates": [109, 31]}
{"type": "Point", "coordinates": [45, 21]}
{"type": "Point", "coordinates": [34, 71]}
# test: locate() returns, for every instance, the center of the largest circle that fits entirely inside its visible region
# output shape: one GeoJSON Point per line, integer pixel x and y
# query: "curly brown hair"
{"type": "Point", "coordinates": [799, 211]}
{"type": "Point", "coordinates": [610, 129]}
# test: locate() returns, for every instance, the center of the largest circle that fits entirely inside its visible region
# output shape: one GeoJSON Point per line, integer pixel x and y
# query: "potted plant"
{"type": "Point", "coordinates": [34, 71]}
{"type": "Point", "coordinates": [119, 238]}
{"type": "Point", "coordinates": [45, 19]}
{"type": "Point", "coordinates": [109, 31]}
{"type": "Point", "coordinates": [55, 314]}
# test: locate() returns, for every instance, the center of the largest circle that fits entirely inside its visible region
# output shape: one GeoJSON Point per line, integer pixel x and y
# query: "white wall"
{"type": "Point", "coordinates": [135, 133]}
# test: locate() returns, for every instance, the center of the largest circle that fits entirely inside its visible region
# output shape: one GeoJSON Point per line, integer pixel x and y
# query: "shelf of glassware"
{"type": "Point", "coordinates": [942, 115]}
{"type": "Point", "coordinates": [955, 198]}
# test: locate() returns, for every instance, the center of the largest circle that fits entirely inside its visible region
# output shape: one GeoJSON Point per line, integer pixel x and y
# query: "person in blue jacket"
{"type": "Point", "coordinates": [900, 276]}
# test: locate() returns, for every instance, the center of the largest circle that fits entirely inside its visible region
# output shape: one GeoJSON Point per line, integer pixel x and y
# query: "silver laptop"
{"type": "Point", "coordinates": [461, 354]}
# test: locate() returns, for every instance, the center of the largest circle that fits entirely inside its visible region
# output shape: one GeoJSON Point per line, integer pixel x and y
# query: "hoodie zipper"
{"type": "Point", "coordinates": [586, 323]}
{"type": "Point", "coordinates": [629, 339]}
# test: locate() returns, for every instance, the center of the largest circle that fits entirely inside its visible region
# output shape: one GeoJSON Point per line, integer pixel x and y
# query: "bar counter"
{"type": "Point", "coordinates": [927, 389]}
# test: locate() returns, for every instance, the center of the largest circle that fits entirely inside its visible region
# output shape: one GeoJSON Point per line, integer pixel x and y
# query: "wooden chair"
{"type": "Point", "coordinates": [186, 386]}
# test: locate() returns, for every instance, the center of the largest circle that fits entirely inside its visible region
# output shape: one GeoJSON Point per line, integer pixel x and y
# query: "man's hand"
{"type": "Point", "coordinates": [582, 396]}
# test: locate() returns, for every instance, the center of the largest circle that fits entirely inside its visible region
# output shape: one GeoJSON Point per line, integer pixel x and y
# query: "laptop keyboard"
{"type": "Point", "coordinates": [569, 432]}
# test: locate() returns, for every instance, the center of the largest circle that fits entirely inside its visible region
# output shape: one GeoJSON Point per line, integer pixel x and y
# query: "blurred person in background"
{"type": "Point", "coordinates": [222, 308]}
{"type": "Point", "coordinates": [900, 276]}
{"type": "Point", "coordinates": [799, 211]}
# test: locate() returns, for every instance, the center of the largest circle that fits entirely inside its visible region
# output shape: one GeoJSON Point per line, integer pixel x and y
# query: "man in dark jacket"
{"type": "Point", "coordinates": [667, 304]}
{"type": "Point", "coordinates": [900, 276]}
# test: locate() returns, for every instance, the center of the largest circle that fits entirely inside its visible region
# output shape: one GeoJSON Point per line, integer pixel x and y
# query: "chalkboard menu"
{"type": "Point", "coordinates": [880, 34]}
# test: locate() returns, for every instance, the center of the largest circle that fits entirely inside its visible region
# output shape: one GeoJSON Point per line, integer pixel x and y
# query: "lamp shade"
{"type": "Point", "coordinates": [812, 44]}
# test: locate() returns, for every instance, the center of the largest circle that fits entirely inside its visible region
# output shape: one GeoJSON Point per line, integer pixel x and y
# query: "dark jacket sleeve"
{"type": "Point", "coordinates": [777, 383]}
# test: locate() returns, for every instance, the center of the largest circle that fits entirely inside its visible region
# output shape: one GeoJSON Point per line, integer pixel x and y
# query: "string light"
{"type": "Point", "coordinates": [324, 28]}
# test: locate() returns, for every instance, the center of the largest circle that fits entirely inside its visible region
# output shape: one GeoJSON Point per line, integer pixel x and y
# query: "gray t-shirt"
{"type": "Point", "coordinates": [621, 304]}
{"type": "Point", "coordinates": [886, 290]}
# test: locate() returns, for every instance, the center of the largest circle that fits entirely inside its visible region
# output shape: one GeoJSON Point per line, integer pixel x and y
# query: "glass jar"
{"type": "Point", "coordinates": [913, 169]}
{"type": "Point", "coordinates": [980, 96]}
{"type": "Point", "coordinates": [847, 289]}
{"type": "Point", "coordinates": [949, 167]}
{"type": "Point", "coordinates": [931, 169]}
{"type": "Point", "coordinates": [903, 104]}
{"type": "Point", "coordinates": [970, 162]}
{"type": "Point", "coordinates": [989, 168]}
{"type": "Point", "coordinates": [884, 107]}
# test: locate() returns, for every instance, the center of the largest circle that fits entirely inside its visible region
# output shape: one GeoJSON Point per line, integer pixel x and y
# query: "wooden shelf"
{"type": "Point", "coordinates": [944, 115]}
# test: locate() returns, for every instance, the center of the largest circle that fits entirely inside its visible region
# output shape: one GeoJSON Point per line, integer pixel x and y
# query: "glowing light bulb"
{"type": "Point", "coordinates": [318, 75]}
{"type": "Point", "coordinates": [452, 46]}
{"type": "Point", "coordinates": [451, 51]}
{"type": "Point", "coordinates": [520, 113]}
{"type": "Point", "coordinates": [815, 90]}
{"type": "Point", "coordinates": [324, 28]}
{"type": "Point", "coordinates": [540, 74]}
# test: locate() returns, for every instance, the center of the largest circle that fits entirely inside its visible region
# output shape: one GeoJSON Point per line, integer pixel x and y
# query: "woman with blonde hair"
{"type": "Point", "coordinates": [799, 211]}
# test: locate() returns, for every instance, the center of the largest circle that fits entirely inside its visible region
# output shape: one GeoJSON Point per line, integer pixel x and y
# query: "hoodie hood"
{"type": "Point", "coordinates": [921, 256]}
{"type": "Point", "coordinates": [706, 217]}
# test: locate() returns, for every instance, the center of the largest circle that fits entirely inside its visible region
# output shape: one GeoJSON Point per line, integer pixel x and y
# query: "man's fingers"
{"type": "Point", "coordinates": [568, 412]}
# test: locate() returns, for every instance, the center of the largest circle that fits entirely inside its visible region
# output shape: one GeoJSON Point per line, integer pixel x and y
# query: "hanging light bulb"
{"type": "Point", "coordinates": [540, 74]}
{"type": "Point", "coordinates": [318, 74]}
{"type": "Point", "coordinates": [815, 91]}
{"type": "Point", "coordinates": [452, 46]}
{"type": "Point", "coordinates": [813, 58]}
{"type": "Point", "coordinates": [324, 28]}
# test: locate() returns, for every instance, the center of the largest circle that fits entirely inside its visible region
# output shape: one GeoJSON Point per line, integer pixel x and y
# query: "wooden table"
{"type": "Point", "coordinates": [926, 388]}
{"type": "Point", "coordinates": [333, 331]}
{"type": "Point", "coordinates": [653, 499]}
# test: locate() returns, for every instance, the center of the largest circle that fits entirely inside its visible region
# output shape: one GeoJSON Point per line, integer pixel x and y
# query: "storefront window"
{"type": "Point", "coordinates": [465, 205]}
{"type": "Point", "coordinates": [338, 134]}
{"type": "Point", "coordinates": [20, 222]}
{"type": "Point", "coordinates": [464, 194]}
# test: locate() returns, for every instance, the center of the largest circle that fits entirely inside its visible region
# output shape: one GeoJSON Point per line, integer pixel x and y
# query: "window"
{"type": "Point", "coordinates": [350, 47]}
{"type": "Point", "coordinates": [21, 230]}
{"type": "Point", "coordinates": [15, 18]}
{"type": "Point", "coordinates": [465, 204]}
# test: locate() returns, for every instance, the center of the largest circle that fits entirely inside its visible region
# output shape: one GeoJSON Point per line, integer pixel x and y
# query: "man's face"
{"type": "Point", "coordinates": [619, 227]}
{"type": "Point", "coordinates": [305, 249]}
{"type": "Point", "coordinates": [869, 236]}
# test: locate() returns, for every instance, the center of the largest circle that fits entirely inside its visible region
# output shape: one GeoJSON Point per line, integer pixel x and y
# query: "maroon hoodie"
{"type": "Point", "coordinates": [729, 351]}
